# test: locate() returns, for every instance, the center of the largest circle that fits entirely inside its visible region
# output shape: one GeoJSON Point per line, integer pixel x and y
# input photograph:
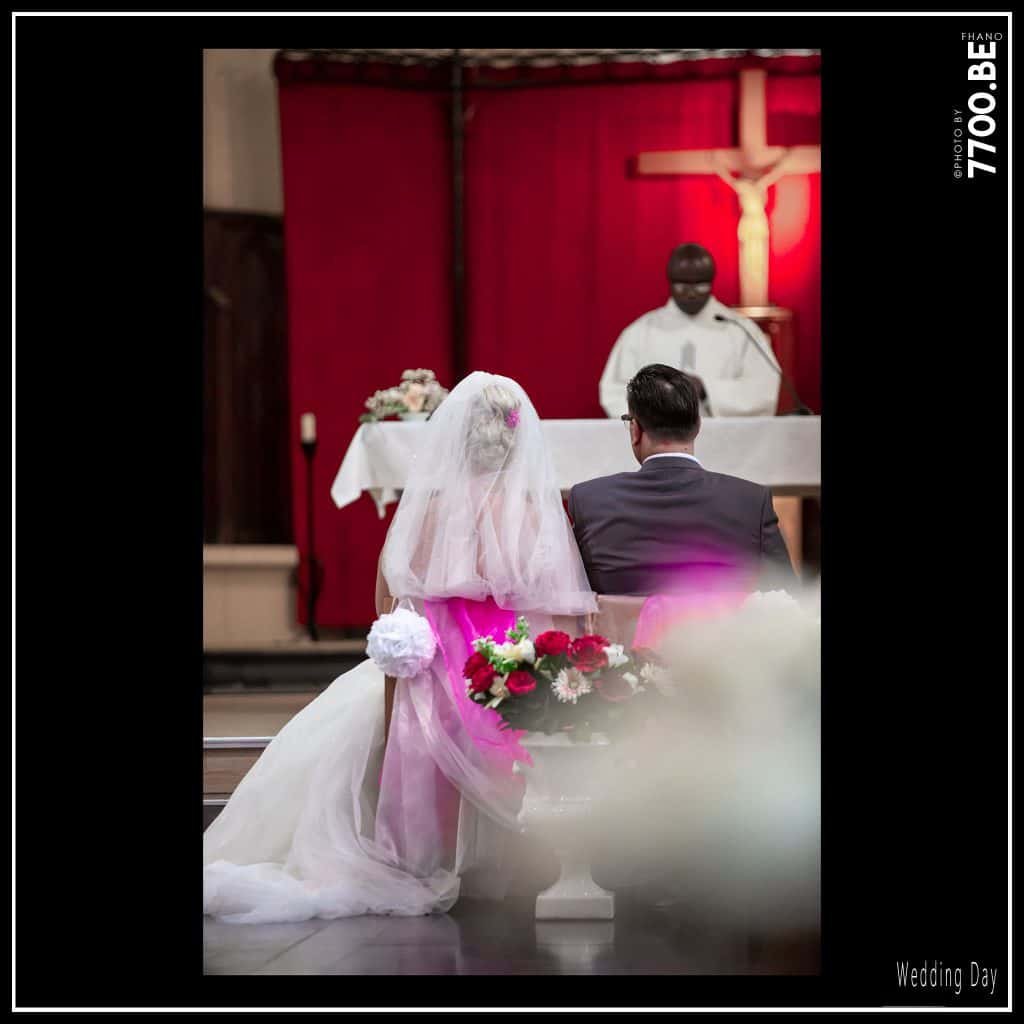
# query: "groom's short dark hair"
{"type": "Point", "coordinates": [665, 402]}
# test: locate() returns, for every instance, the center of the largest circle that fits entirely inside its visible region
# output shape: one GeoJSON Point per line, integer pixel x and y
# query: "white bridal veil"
{"type": "Point", "coordinates": [481, 514]}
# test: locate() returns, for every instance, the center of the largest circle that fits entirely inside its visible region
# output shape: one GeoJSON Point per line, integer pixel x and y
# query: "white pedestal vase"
{"type": "Point", "coordinates": [413, 416]}
{"type": "Point", "coordinates": [560, 787]}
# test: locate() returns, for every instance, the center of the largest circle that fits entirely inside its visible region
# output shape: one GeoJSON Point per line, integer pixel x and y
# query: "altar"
{"type": "Point", "coordinates": [782, 453]}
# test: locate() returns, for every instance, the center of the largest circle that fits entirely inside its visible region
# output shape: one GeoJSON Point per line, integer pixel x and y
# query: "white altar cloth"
{"type": "Point", "coordinates": [780, 452]}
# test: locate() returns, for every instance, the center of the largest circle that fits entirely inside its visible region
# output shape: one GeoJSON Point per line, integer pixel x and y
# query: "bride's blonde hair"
{"type": "Point", "coordinates": [492, 427]}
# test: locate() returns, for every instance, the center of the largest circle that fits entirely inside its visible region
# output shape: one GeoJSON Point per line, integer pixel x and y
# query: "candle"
{"type": "Point", "coordinates": [308, 428]}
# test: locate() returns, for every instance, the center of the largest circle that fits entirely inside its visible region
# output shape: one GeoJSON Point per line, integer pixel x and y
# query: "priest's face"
{"type": "Point", "coordinates": [690, 280]}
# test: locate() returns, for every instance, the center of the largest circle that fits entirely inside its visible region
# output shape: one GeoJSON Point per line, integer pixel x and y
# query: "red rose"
{"type": "Point", "coordinates": [474, 664]}
{"type": "Point", "coordinates": [554, 643]}
{"type": "Point", "coordinates": [587, 653]}
{"type": "Point", "coordinates": [482, 678]}
{"type": "Point", "coordinates": [520, 682]}
{"type": "Point", "coordinates": [612, 687]}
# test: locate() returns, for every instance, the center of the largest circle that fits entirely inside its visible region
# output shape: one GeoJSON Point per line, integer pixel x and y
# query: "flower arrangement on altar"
{"type": "Point", "coordinates": [416, 397]}
{"type": "Point", "coordinates": [554, 683]}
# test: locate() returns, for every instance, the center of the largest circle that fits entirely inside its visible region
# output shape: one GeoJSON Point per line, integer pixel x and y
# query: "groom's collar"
{"type": "Point", "coordinates": [661, 459]}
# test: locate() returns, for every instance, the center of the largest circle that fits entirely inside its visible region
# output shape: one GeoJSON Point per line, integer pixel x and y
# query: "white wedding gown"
{"type": "Point", "coordinates": [295, 840]}
{"type": "Point", "coordinates": [299, 837]}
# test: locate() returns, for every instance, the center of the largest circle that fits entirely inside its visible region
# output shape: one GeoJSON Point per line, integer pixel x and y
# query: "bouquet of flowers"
{"type": "Point", "coordinates": [419, 392]}
{"type": "Point", "coordinates": [556, 684]}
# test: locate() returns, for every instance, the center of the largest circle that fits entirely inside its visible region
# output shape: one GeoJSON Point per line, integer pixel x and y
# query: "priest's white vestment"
{"type": "Point", "coordinates": [738, 381]}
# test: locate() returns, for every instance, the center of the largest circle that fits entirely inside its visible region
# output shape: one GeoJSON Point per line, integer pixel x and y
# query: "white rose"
{"type": "Point", "coordinates": [616, 657]}
{"type": "Point", "coordinates": [414, 397]}
{"type": "Point", "coordinates": [498, 688]}
{"type": "Point", "coordinates": [523, 651]}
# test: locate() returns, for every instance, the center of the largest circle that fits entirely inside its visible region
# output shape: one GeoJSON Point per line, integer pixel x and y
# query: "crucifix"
{"type": "Point", "coordinates": [749, 170]}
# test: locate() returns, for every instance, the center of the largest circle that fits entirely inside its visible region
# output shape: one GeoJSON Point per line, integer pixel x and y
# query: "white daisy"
{"type": "Point", "coordinates": [569, 685]}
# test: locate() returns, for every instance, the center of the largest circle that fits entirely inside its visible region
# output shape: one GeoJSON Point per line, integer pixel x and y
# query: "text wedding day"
{"type": "Point", "coordinates": [512, 414]}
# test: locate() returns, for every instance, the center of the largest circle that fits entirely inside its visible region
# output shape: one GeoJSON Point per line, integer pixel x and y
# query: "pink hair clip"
{"type": "Point", "coordinates": [512, 418]}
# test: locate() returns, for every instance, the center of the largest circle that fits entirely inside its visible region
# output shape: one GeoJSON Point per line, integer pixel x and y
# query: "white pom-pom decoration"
{"type": "Point", "coordinates": [401, 644]}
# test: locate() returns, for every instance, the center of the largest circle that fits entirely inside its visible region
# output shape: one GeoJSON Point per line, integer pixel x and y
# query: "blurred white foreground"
{"type": "Point", "coordinates": [718, 800]}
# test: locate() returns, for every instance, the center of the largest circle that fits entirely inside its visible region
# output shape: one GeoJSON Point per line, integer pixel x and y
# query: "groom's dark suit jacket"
{"type": "Point", "coordinates": [673, 525]}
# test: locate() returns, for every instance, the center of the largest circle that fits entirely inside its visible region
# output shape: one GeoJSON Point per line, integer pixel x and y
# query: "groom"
{"type": "Point", "coordinates": [674, 526]}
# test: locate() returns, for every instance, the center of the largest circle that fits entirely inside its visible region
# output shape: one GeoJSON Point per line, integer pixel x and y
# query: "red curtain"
{"type": "Point", "coordinates": [565, 245]}
{"type": "Point", "coordinates": [794, 213]}
{"type": "Point", "coordinates": [367, 260]}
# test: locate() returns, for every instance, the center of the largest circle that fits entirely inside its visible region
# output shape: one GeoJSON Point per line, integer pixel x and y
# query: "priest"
{"type": "Point", "coordinates": [733, 380]}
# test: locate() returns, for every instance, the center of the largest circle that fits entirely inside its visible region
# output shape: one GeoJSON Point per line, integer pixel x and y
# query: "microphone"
{"type": "Point", "coordinates": [801, 409]}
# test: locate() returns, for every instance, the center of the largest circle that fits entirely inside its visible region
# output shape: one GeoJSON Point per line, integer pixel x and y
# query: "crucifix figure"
{"type": "Point", "coordinates": [749, 170]}
{"type": "Point", "coordinates": [752, 230]}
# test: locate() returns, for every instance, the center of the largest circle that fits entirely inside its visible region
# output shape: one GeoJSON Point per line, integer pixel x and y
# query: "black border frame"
{"type": "Point", "coordinates": [109, 208]}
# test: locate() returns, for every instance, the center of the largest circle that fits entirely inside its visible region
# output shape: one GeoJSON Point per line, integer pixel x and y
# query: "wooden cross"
{"type": "Point", "coordinates": [749, 169]}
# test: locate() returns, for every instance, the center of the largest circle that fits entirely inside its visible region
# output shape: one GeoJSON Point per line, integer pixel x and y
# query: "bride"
{"type": "Point", "coordinates": [331, 821]}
